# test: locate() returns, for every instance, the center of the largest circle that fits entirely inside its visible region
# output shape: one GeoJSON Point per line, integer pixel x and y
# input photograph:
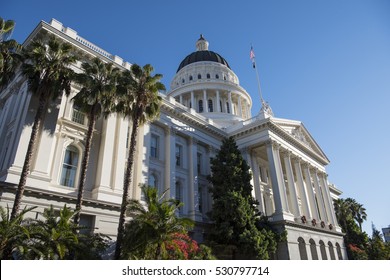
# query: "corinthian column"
{"type": "Point", "coordinates": [291, 184]}
{"type": "Point", "coordinates": [301, 187]}
{"type": "Point", "coordinates": [310, 192]}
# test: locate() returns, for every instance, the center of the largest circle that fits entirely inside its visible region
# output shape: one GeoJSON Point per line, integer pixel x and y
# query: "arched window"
{"type": "Point", "coordinates": [217, 76]}
{"type": "Point", "coordinates": [323, 251]}
{"type": "Point", "coordinates": [153, 181]}
{"type": "Point", "coordinates": [199, 76]}
{"type": "Point", "coordinates": [183, 81]}
{"type": "Point", "coordinates": [210, 103]}
{"type": "Point", "coordinates": [227, 108]}
{"type": "Point", "coordinates": [302, 249]}
{"type": "Point", "coordinates": [208, 76]}
{"type": "Point", "coordinates": [200, 106]}
{"type": "Point", "coordinates": [191, 78]}
{"type": "Point", "coordinates": [69, 167]}
{"type": "Point", "coordinates": [331, 251]}
{"type": "Point", "coordinates": [313, 250]}
{"type": "Point", "coordinates": [338, 250]}
{"type": "Point", "coordinates": [220, 105]}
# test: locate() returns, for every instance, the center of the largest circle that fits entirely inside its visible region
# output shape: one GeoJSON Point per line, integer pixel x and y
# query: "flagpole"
{"type": "Point", "coordinates": [264, 106]}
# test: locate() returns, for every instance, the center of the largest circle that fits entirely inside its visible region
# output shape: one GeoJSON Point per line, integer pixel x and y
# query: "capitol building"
{"type": "Point", "coordinates": [204, 105]}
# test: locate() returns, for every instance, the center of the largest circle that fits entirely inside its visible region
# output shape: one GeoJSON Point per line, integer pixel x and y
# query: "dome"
{"type": "Point", "coordinates": [202, 54]}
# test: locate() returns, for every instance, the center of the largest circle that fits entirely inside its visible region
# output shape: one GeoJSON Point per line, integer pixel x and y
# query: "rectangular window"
{"type": "Point", "coordinates": [154, 146]}
{"type": "Point", "coordinates": [179, 154]}
{"type": "Point", "coordinates": [200, 196]}
{"type": "Point", "coordinates": [199, 162]}
{"type": "Point", "coordinates": [78, 116]}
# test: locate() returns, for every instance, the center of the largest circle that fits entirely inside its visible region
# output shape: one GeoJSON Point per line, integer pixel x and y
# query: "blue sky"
{"type": "Point", "coordinates": [325, 63]}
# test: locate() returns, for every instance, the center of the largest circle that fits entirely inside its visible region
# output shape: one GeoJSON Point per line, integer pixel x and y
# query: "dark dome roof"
{"type": "Point", "coordinates": [202, 56]}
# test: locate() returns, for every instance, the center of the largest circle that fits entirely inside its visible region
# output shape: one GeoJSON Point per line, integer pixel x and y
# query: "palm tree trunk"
{"type": "Point", "coordinates": [30, 149]}
{"type": "Point", "coordinates": [126, 186]}
{"type": "Point", "coordinates": [84, 164]}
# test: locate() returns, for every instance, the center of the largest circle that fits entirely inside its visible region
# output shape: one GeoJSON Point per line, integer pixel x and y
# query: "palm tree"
{"type": "Point", "coordinates": [14, 233]}
{"type": "Point", "coordinates": [139, 101]}
{"type": "Point", "coordinates": [9, 57]}
{"type": "Point", "coordinates": [95, 98]}
{"type": "Point", "coordinates": [47, 67]}
{"type": "Point", "coordinates": [154, 226]}
{"type": "Point", "coordinates": [358, 211]}
{"type": "Point", "coordinates": [343, 213]}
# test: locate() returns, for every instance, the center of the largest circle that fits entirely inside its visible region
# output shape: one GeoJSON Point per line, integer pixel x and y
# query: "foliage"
{"type": "Point", "coordinates": [47, 67]}
{"type": "Point", "coordinates": [377, 249]}
{"type": "Point", "coordinates": [96, 97]}
{"type": "Point", "coordinates": [138, 100]}
{"type": "Point", "coordinates": [155, 228]}
{"type": "Point", "coordinates": [14, 233]}
{"type": "Point", "coordinates": [237, 223]}
{"type": "Point", "coordinates": [9, 52]}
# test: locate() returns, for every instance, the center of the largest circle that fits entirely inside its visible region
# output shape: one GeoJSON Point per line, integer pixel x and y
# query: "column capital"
{"type": "Point", "coordinates": [286, 153]}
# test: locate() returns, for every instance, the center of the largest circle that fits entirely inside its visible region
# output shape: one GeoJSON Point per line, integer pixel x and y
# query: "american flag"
{"type": "Point", "coordinates": [252, 57]}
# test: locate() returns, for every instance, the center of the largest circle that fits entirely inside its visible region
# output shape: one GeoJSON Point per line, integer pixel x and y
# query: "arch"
{"type": "Point", "coordinates": [313, 249]}
{"type": "Point", "coordinates": [323, 251]}
{"type": "Point", "coordinates": [331, 251]}
{"type": "Point", "coordinates": [302, 249]}
{"type": "Point", "coordinates": [70, 166]}
{"type": "Point", "coordinates": [210, 105]}
{"type": "Point", "coordinates": [338, 250]}
{"type": "Point", "coordinates": [200, 106]}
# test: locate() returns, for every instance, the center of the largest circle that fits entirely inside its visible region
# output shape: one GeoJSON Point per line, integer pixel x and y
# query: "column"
{"type": "Point", "coordinates": [310, 192]}
{"type": "Point", "coordinates": [293, 201]}
{"type": "Point", "coordinates": [193, 101]}
{"type": "Point", "coordinates": [320, 200]}
{"type": "Point", "coordinates": [279, 190]}
{"type": "Point", "coordinates": [218, 107]}
{"type": "Point", "coordinates": [181, 99]}
{"type": "Point", "coordinates": [256, 181]}
{"type": "Point", "coordinates": [328, 200]}
{"type": "Point", "coordinates": [205, 103]}
{"type": "Point", "coordinates": [302, 191]}
{"type": "Point", "coordinates": [230, 109]}
{"type": "Point", "coordinates": [170, 162]}
{"type": "Point", "coordinates": [239, 106]}
{"type": "Point", "coordinates": [193, 198]}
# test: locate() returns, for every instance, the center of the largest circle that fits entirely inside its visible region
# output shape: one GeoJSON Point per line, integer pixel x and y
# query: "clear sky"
{"type": "Point", "coordinates": [325, 63]}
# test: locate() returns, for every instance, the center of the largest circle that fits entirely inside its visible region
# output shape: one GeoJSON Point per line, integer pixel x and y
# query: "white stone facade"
{"type": "Point", "coordinates": [205, 104]}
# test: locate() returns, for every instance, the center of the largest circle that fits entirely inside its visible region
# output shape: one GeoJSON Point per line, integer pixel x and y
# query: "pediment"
{"type": "Point", "coordinates": [298, 131]}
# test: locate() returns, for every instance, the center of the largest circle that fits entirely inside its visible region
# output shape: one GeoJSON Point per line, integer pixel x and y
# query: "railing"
{"type": "Point", "coordinates": [78, 117]}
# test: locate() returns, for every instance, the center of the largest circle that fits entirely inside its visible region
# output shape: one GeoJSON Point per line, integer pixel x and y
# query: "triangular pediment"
{"type": "Point", "coordinates": [298, 131]}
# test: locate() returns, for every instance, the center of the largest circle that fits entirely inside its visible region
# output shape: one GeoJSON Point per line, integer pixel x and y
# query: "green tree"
{"type": "Point", "coordinates": [377, 248]}
{"type": "Point", "coordinates": [154, 228]}
{"type": "Point", "coordinates": [358, 211]}
{"type": "Point", "coordinates": [9, 56]}
{"type": "Point", "coordinates": [47, 67]}
{"type": "Point", "coordinates": [14, 233]}
{"type": "Point", "coordinates": [139, 101]}
{"type": "Point", "coordinates": [95, 98]}
{"type": "Point", "coordinates": [236, 218]}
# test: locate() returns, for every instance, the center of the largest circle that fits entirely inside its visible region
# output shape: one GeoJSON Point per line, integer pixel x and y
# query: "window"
{"type": "Point", "coordinates": [153, 181]}
{"type": "Point", "coordinates": [210, 103]}
{"type": "Point", "coordinates": [302, 249]}
{"type": "Point", "coordinates": [313, 250]}
{"type": "Point", "coordinates": [179, 154]}
{"type": "Point", "coordinates": [200, 106]}
{"type": "Point", "coordinates": [182, 81]}
{"type": "Point", "coordinates": [208, 76]}
{"type": "Point", "coordinates": [331, 251]}
{"type": "Point", "coordinates": [69, 167]}
{"type": "Point", "coordinates": [191, 78]}
{"type": "Point", "coordinates": [199, 162]}
{"type": "Point", "coordinates": [154, 146]}
{"type": "Point", "coordinates": [199, 76]}
{"type": "Point", "coordinates": [338, 249]}
{"type": "Point", "coordinates": [220, 106]}
{"type": "Point", "coordinates": [323, 251]}
{"type": "Point", "coordinates": [78, 116]}
{"type": "Point", "coordinates": [217, 76]}
{"type": "Point", "coordinates": [227, 108]}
